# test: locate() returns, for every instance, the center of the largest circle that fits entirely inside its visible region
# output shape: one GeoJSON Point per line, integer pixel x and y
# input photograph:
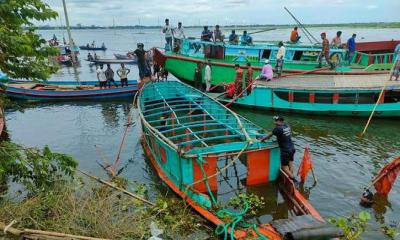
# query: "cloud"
{"type": "Point", "coordinates": [371, 6]}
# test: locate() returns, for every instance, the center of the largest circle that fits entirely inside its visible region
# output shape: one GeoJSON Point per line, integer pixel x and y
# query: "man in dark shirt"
{"type": "Point", "coordinates": [283, 135]}
{"type": "Point", "coordinates": [206, 35]}
{"type": "Point", "coordinates": [140, 53]}
{"type": "Point", "coordinates": [110, 76]}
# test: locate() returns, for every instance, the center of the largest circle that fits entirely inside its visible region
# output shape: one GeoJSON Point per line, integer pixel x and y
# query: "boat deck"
{"type": "Point", "coordinates": [190, 119]}
{"type": "Point", "coordinates": [326, 82]}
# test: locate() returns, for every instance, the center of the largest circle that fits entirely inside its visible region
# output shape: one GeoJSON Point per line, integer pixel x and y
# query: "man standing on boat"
{"type": "Point", "coordinates": [206, 35]}
{"type": "Point", "coordinates": [179, 35]}
{"type": "Point", "coordinates": [283, 135]}
{"type": "Point", "coordinates": [337, 40]}
{"type": "Point", "coordinates": [101, 76]}
{"type": "Point", "coordinates": [207, 75]}
{"type": "Point", "coordinates": [197, 77]}
{"type": "Point", "coordinates": [123, 72]}
{"type": "Point", "coordinates": [280, 56]}
{"type": "Point", "coordinates": [167, 30]}
{"type": "Point", "coordinates": [238, 80]}
{"type": "Point", "coordinates": [110, 76]}
{"type": "Point", "coordinates": [294, 36]}
{"type": "Point", "coordinates": [351, 48]}
{"type": "Point", "coordinates": [233, 38]}
{"type": "Point", "coordinates": [249, 78]}
{"type": "Point", "coordinates": [144, 71]}
{"type": "Point", "coordinates": [396, 68]}
{"type": "Point", "coordinates": [218, 37]}
{"type": "Point", "coordinates": [324, 52]}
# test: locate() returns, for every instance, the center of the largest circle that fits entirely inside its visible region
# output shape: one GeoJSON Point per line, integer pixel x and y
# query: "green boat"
{"type": "Point", "coordinates": [193, 142]}
{"type": "Point", "coordinates": [323, 95]}
{"type": "Point", "coordinates": [370, 58]}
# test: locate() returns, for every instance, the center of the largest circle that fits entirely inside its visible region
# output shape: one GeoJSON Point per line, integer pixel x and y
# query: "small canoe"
{"type": "Point", "coordinates": [123, 57]}
{"type": "Point", "coordinates": [189, 137]}
{"type": "Point", "coordinates": [54, 82]}
{"type": "Point", "coordinates": [41, 92]}
{"type": "Point", "coordinates": [92, 48]}
{"type": "Point", "coordinates": [113, 61]}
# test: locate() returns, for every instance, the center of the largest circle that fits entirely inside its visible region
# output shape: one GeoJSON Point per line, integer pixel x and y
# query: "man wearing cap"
{"type": "Point", "coordinates": [324, 52]}
{"type": "Point", "coordinates": [283, 135]}
{"type": "Point", "coordinates": [266, 72]}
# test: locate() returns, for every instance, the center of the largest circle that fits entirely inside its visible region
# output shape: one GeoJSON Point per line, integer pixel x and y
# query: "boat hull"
{"type": "Point", "coordinates": [92, 49]}
{"type": "Point", "coordinates": [47, 95]}
{"type": "Point", "coordinates": [285, 100]}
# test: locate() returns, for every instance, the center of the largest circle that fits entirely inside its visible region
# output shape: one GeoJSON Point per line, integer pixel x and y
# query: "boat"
{"type": "Point", "coordinates": [339, 95]}
{"type": "Point", "coordinates": [56, 82]}
{"type": "Point", "coordinates": [123, 56]}
{"type": "Point", "coordinates": [89, 48]}
{"type": "Point", "coordinates": [370, 58]}
{"type": "Point", "coordinates": [187, 136]}
{"type": "Point", "coordinates": [112, 61]}
{"type": "Point", "coordinates": [64, 57]}
{"type": "Point", "coordinates": [41, 92]}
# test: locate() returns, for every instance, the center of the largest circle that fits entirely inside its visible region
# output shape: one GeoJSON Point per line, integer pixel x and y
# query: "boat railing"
{"type": "Point", "coordinates": [379, 60]}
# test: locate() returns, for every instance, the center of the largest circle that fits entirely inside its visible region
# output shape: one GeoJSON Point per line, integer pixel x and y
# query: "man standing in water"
{"type": "Point", "coordinates": [283, 135]}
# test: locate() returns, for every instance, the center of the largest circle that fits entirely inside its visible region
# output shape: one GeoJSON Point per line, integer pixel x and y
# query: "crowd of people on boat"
{"type": "Point", "coordinates": [106, 77]}
{"type": "Point", "coordinates": [93, 45]}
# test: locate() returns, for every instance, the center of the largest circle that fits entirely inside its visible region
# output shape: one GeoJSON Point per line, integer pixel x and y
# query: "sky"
{"type": "Point", "coordinates": [224, 12]}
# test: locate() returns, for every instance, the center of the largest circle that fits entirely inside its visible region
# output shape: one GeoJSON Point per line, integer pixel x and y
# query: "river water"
{"type": "Point", "coordinates": [91, 131]}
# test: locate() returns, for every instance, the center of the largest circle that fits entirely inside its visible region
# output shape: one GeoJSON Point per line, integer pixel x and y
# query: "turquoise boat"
{"type": "Point", "coordinates": [191, 139]}
{"type": "Point", "coordinates": [323, 95]}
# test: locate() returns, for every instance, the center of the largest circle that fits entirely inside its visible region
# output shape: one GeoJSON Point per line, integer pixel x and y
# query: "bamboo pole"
{"type": "Point", "coordinates": [379, 99]}
{"type": "Point", "coordinates": [302, 26]}
{"type": "Point", "coordinates": [28, 233]}
{"type": "Point", "coordinates": [117, 188]}
{"type": "Point", "coordinates": [71, 42]}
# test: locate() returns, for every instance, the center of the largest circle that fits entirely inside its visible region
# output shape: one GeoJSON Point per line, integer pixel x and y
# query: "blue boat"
{"type": "Point", "coordinates": [55, 82]}
{"type": "Point", "coordinates": [41, 92]}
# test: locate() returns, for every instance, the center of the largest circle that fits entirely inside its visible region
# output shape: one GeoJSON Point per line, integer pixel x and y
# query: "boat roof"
{"type": "Point", "coordinates": [189, 120]}
{"type": "Point", "coordinates": [332, 82]}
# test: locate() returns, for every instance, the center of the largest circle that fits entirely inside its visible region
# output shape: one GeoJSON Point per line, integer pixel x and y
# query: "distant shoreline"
{"type": "Point", "coordinates": [240, 27]}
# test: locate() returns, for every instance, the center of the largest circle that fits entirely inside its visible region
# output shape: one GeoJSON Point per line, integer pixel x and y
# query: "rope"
{"type": "Point", "coordinates": [200, 162]}
{"type": "Point", "coordinates": [241, 94]}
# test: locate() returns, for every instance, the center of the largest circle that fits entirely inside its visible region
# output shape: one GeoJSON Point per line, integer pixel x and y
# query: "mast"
{"type": "Point", "coordinates": [71, 42]}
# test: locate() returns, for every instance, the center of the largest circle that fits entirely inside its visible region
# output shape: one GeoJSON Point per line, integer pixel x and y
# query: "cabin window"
{"type": "Point", "coordinates": [392, 96]}
{"type": "Point", "coordinates": [297, 55]}
{"type": "Point", "coordinates": [323, 97]}
{"type": "Point", "coordinates": [301, 97]}
{"type": "Point", "coordinates": [283, 95]}
{"type": "Point", "coordinates": [367, 98]}
{"type": "Point", "coordinates": [347, 98]}
{"type": "Point", "coordinates": [266, 54]}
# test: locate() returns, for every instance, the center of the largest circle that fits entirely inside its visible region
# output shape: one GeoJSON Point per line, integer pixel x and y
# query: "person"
{"type": "Point", "coordinates": [337, 40]}
{"type": "Point", "coordinates": [324, 52]}
{"type": "Point", "coordinates": [96, 57]}
{"type": "Point", "coordinates": [87, 45]}
{"type": "Point", "coordinates": [197, 76]}
{"type": "Point", "coordinates": [89, 57]}
{"type": "Point", "coordinates": [103, 45]}
{"type": "Point", "coordinates": [93, 44]}
{"type": "Point", "coordinates": [283, 135]}
{"type": "Point", "coordinates": [140, 53]}
{"type": "Point", "coordinates": [396, 69]}
{"type": "Point", "coordinates": [101, 76]}
{"type": "Point", "coordinates": [64, 41]}
{"type": "Point", "coordinates": [207, 75]}
{"type": "Point", "coordinates": [218, 37]}
{"type": "Point", "coordinates": [249, 78]}
{"type": "Point", "coordinates": [110, 76]}
{"type": "Point", "coordinates": [351, 48]}
{"type": "Point", "coordinates": [167, 30]}
{"type": "Point", "coordinates": [123, 72]}
{"type": "Point", "coordinates": [280, 57]}
{"type": "Point", "coordinates": [238, 80]}
{"type": "Point", "coordinates": [206, 35]}
{"type": "Point", "coordinates": [294, 35]}
{"type": "Point", "coordinates": [179, 35]}
{"type": "Point", "coordinates": [233, 38]}
{"type": "Point", "coordinates": [266, 72]}
{"type": "Point", "coordinates": [156, 70]}
{"type": "Point", "coordinates": [246, 39]}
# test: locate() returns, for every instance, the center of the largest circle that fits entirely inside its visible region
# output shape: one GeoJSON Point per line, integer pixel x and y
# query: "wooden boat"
{"type": "Point", "coordinates": [113, 61]}
{"type": "Point", "coordinates": [323, 95]}
{"type": "Point", "coordinates": [92, 48]}
{"type": "Point", "coordinates": [187, 136]}
{"type": "Point", "coordinates": [42, 92]}
{"type": "Point", "coordinates": [370, 58]}
{"type": "Point", "coordinates": [55, 82]}
{"type": "Point", "coordinates": [123, 57]}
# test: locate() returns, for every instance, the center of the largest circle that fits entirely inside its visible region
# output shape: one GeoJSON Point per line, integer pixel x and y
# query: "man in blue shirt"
{"type": "Point", "coordinates": [233, 38]}
{"type": "Point", "coordinates": [206, 35]}
{"type": "Point", "coordinates": [246, 39]}
{"type": "Point", "coordinates": [351, 48]}
{"type": "Point", "coordinates": [283, 135]}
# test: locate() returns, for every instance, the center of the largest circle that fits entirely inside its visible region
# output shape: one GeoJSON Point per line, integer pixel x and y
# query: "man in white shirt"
{"type": "Point", "coordinates": [280, 56]}
{"type": "Point", "coordinates": [123, 72]}
{"type": "Point", "coordinates": [179, 35]}
{"type": "Point", "coordinates": [207, 76]}
{"type": "Point", "coordinates": [167, 30]}
{"type": "Point", "coordinates": [101, 76]}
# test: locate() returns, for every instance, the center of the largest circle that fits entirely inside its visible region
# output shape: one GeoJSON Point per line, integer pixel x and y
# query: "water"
{"type": "Point", "coordinates": [344, 162]}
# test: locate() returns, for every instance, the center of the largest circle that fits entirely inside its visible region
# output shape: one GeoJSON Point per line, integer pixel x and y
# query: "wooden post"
{"type": "Point", "coordinates": [71, 42]}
